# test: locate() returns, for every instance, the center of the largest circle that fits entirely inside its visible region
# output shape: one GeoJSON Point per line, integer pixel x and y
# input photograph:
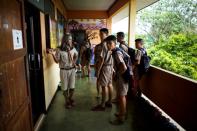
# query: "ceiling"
{"type": "Point", "coordinates": [144, 3]}
{"type": "Point", "coordinates": [100, 5]}
{"type": "Point", "coordinates": [88, 4]}
{"type": "Point", "coordinates": [125, 12]}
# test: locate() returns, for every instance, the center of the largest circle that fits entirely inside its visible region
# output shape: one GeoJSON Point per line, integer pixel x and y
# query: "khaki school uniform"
{"type": "Point", "coordinates": [97, 52]}
{"type": "Point", "coordinates": [84, 60]}
{"type": "Point", "coordinates": [121, 86]}
{"type": "Point", "coordinates": [67, 69]}
{"type": "Point", "coordinates": [106, 72]}
{"type": "Point", "coordinates": [124, 47]}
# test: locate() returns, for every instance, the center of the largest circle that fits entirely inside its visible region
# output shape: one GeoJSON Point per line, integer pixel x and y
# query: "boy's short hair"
{"type": "Point", "coordinates": [121, 34]}
{"type": "Point", "coordinates": [111, 38]}
{"type": "Point", "coordinates": [104, 30]}
{"type": "Point", "coordinates": [138, 40]}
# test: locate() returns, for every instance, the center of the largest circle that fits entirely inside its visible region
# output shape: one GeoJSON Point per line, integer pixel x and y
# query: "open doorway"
{"type": "Point", "coordinates": [34, 48]}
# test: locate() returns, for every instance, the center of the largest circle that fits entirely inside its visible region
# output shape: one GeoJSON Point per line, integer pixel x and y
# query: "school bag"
{"type": "Point", "coordinates": [88, 53]}
{"type": "Point", "coordinates": [128, 73]}
{"type": "Point", "coordinates": [144, 62]}
{"type": "Point", "coordinates": [131, 53]}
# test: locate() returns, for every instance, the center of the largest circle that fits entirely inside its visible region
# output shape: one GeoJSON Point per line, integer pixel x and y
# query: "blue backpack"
{"type": "Point", "coordinates": [144, 62]}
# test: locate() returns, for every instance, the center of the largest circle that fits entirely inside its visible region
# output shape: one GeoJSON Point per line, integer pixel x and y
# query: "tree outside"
{"type": "Point", "coordinates": [169, 29]}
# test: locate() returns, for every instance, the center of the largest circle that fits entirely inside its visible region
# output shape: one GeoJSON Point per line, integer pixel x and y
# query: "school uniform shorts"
{"type": "Point", "coordinates": [67, 79]}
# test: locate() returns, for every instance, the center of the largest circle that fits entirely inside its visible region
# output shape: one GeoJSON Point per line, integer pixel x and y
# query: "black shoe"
{"type": "Point", "coordinates": [108, 104]}
{"type": "Point", "coordinates": [98, 108]}
{"type": "Point", "coordinates": [117, 122]}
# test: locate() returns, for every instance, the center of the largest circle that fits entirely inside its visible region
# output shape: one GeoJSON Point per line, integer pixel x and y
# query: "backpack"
{"type": "Point", "coordinates": [128, 73]}
{"type": "Point", "coordinates": [88, 53]}
{"type": "Point", "coordinates": [131, 53]}
{"type": "Point", "coordinates": [144, 62]}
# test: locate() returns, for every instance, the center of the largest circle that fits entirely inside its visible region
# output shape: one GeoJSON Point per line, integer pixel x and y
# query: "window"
{"type": "Point", "coordinates": [169, 29]}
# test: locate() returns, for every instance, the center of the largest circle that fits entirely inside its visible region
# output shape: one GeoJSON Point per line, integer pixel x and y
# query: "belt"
{"type": "Point", "coordinates": [69, 68]}
{"type": "Point", "coordinates": [107, 65]}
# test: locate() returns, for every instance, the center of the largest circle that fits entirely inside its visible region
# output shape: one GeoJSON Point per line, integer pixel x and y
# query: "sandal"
{"type": "Point", "coordinates": [98, 108]}
{"type": "Point", "coordinates": [117, 122]}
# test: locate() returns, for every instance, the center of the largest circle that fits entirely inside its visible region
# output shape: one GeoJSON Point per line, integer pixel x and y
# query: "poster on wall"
{"type": "Point", "coordinates": [87, 24]}
{"type": "Point", "coordinates": [53, 34]}
{"type": "Point", "coordinates": [60, 33]}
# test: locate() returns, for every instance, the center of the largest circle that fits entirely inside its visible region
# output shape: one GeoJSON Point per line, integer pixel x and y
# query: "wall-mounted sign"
{"type": "Point", "coordinates": [17, 39]}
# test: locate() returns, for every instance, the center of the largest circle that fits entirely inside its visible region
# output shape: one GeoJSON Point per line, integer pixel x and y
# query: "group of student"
{"type": "Point", "coordinates": [115, 64]}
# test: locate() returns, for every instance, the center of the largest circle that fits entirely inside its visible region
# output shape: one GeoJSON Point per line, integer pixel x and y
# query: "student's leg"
{"type": "Point", "coordinates": [83, 70]}
{"type": "Point", "coordinates": [104, 95]}
{"type": "Point", "coordinates": [64, 87]}
{"type": "Point", "coordinates": [71, 85]}
{"type": "Point", "coordinates": [123, 102]}
{"type": "Point", "coordinates": [98, 88]}
{"type": "Point", "coordinates": [89, 70]}
{"type": "Point", "coordinates": [110, 94]}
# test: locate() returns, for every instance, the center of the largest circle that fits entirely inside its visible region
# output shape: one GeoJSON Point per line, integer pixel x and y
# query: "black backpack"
{"type": "Point", "coordinates": [144, 62]}
{"type": "Point", "coordinates": [131, 53]}
{"type": "Point", "coordinates": [88, 53]}
{"type": "Point", "coordinates": [128, 73]}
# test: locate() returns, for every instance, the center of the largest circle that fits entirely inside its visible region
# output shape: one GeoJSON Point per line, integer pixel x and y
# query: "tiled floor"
{"type": "Point", "coordinates": [81, 118]}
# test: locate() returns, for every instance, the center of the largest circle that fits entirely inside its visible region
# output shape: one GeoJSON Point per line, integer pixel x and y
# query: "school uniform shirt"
{"type": "Point", "coordinates": [67, 70]}
{"type": "Point", "coordinates": [106, 73]}
{"type": "Point", "coordinates": [124, 47]}
{"type": "Point", "coordinates": [84, 59]}
{"type": "Point", "coordinates": [121, 85]}
{"type": "Point", "coordinates": [97, 52]}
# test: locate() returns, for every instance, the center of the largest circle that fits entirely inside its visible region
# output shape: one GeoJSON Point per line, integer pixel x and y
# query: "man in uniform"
{"type": "Point", "coordinates": [121, 85]}
{"type": "Point", "coordinates": [66, 56]}
{"type": "Point", "coordinates": [104, 73]}
{"type": "Point", "coordinates": [85, 56]}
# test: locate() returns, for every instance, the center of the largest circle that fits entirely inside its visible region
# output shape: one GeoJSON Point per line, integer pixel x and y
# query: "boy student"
{"type": "Point", "coordinates": [104, 72]}
{"type": "Point", "coordinates": [141, 68]}
{"type": "Point", "coordinates": [66, 56]}
{"type": "Point", "coordinates": [120, 67]}
{"type": "Point", "coordinates": [121, 39]}
{"type": "Point", "coordinates": [85, 56]}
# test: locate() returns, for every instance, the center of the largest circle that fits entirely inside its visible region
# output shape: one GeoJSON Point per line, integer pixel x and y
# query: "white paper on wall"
{"type": "Point", "coordinates": [17, 39]}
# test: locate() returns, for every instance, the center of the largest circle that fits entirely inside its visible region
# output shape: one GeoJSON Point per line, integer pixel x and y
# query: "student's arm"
{"type": "Point", "coordinates": [121, 64]}
{"type": "Point", "coordinates": [75, 56]}
{"type": "Point", "coordinates": [101, 60]}
{"type": "Point", "coordinates": [55, 55]}
{"type": "Point", "coordinates": [99, 64]}
{"type": "Point", "coordinates": [122, 67]}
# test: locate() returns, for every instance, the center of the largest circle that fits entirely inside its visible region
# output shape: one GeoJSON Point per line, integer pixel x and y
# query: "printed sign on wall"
{"type": "Point", "coordinates": [17, 39]}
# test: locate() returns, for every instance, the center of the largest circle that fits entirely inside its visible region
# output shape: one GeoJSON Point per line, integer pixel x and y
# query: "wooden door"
{"type": "Point", "coordinates": [15, 106]}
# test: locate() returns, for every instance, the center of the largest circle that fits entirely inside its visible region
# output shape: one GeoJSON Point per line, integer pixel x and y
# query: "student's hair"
{"type": "Point", "coordinates": [65, 39]}
{"type": "Point", "coordinates": [104, 30]}
{"type": "Point", "coordinates": [121, 34]}
{"type": "Point", "coordinates": [111, 38]}
{"type": "Point", "coordinates": [138, 40]}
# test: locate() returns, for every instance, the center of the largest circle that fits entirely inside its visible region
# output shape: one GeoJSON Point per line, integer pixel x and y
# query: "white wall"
{"type": "Point", "coordinates": [50, 68]}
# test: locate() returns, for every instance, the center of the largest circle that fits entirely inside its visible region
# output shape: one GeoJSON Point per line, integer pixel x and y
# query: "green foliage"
{"type": "Point", "coordinates": [177, 54]}
{"type": "Point", "coordinates": [170, 33]}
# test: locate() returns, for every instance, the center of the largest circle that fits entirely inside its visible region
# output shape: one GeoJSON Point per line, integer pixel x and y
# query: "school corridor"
{"type": "Point", "coordinates": [82, 118]}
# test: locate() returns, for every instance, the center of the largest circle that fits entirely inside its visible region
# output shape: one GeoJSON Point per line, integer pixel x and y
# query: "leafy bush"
{"type": "Point", "coordinates": [177, 54]}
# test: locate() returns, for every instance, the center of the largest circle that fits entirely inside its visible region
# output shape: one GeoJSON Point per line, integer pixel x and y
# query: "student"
{"type": "Point", "coordinates": [97, 52]}
{"type": "Point", "coordinates": [104, 73]}
{"type": "Point", "coordinates": [120, 67]}
{"type": "Point", "coordinates": [141, 68]}
{"type": "Point", "coordinates": [121, 39]}
{"type": "Point", "coordinates": [66, 56]}
{"type": "Point", "coordinates": [85, 55]}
